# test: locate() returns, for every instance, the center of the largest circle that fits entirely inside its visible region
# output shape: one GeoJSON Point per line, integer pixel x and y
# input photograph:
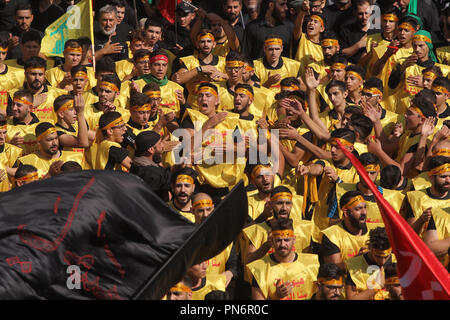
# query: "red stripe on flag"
{"type": "Point", "coordinates": [421, 275]}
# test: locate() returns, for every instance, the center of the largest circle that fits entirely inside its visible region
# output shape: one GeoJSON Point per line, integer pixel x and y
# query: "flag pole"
{"type": "Point", "coordinates": [91, 27]}
{"type": "Point", "coordinates": [135, 14]}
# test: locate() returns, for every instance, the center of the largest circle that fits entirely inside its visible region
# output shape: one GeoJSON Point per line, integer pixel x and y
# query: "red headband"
{"type": "Point", "coordinates": [159, 57]}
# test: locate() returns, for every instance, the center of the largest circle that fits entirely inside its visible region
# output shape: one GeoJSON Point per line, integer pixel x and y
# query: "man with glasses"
{"type": "Point", "coordinates": [329, 283]}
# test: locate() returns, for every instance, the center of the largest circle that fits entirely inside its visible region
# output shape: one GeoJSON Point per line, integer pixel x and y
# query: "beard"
{"type": "Point", "coordinates": [442, 188]}
{"type": "Point", "coordinates": [157, 157]}
{"type": "Point", "coordinates": [109, 32]}
{"type": "Point", "coordinates": [356, 222]}
{"type": "Point", "coordinates": [36, 85]}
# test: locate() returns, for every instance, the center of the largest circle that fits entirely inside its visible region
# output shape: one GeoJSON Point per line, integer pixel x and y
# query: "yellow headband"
{"type": "Point", "coordinates": [338, 65]}
{"type": "Point", "coordinates": [357, 75]}
{"type": "Point", "coordinates": [330, 281]}
{"type": "Point", "coordinates": [440, 169]}
{"type": "Point", "coordinates": [317, 18]}
{"type": "Point", "coordinates": [137, 41]}
{"type": "Point", "coordinates": [392, 280]}
{"type": "Point", "coordinates": [31, 69]}
{"type": "Point", "coordinates": [390, 17]}
{"type": "Point", "coordinates": [206, 36]}
{"type": "Point", "coordinates": [109, 85]}
{"type": "Point", "coordinates": [80, 74]}
{"type": "Point", "coordinates": [273, 42]}
{"type": "Point", "coordinates": [287, 233]}
{"type": "Point", "coordinates": [3, 49]}
{"type": "Point", "coordinates": [430, 75]}
{"type": "Point", "coordinates": [74, 50]}
{"type": "Point", "coordinates": [260, 170]}
{"type": "Point", "coordinates": [281, 195]}
{"type": "Point", "coordinates": [22, 100]}
{"type": "Point", "coordinates": [205, 203]}
{"type": "Point", "coordinates": [416, 109]}
{"type": "Point", "coordinates": [441, 152]}
{"type": "Point", "coordinates": [206, 89]}
{"type": "Point", "coordinates": [184, 178]}
{"type": "Point", "coordinates": [234, 64]}
{"type": "Point", "coordinates": [179, 287]}
{"type": "Point", "coordinates": [248, 68]}
{"type": "Point", "coordinates": [373, 91]}
{"type": "Point", "coordinates": [144, 107]}
{"type": "Point", "coordinates": [4, 127]}
{"type": "Point", "coordinates": [147, 57]}
{"type": "Point", "coordinates": [29, 177]}
{"type": "Point", "coordinates": [292, 87]}
{"type": "Point", "coordinates": [372, 167]}
{"type": "Point", "coordinates": [382, 253]}
{"type": "Point", "coordinates": [114, 123]}
{"type": "Point", "coordinates": [329, 42]}
{"type": "Point", "coordinates": [344, 142]}
{"type": "Point", "coordinates": [66, 106]}
{"type": "Point", "coordinates": [245, 91]}
{"type": "Point", "coordinates": [45, 133]}
{"type": "Point", "coordinates": [153, 94]}
{"type": "Point", "coordinates": [353, 202]}
{"type": "Point", "coordinates": [406, 25]}
{"type": "Point", "coordinates": [421, 37]}
{"type": "Point", "coordinates": [440, 89]}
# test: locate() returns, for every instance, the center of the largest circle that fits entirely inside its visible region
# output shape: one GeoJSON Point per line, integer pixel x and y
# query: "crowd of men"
{"type": "Point", "coordinates": [273, 88]}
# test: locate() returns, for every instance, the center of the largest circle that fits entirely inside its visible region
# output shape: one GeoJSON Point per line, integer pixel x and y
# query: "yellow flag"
{"type": "Point", "coordinates": [75, 23]}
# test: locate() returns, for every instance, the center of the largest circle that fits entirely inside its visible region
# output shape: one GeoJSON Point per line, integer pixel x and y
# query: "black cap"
{"type": "Point", "coordinates": [145, 140]}
{"type": "Point", "coordinates": [182, 6]}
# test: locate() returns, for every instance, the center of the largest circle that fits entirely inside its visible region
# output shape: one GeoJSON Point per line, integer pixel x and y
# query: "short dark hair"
{"type": "Point", "coordinates": [31, 35]}
{"type": "Point", "coordinates": [329, 270]}
{"type": "Point", "coordinates": [353, 109]}
{"type": "Point", "coordinates": [59, 101]}
{"type": "Point", "coordinates": [346, 197]}
{"type": "Point", "coordinates": [374, 82]}
{"type": "Point", "coordinates": [42, 127]}
{"type": "Point", "coordinates": [72, 43]}
{"type": "Point", "coordinates": [140, 53]}
{"type": "Point", "coordinates": [280, 189]}
{"type": "Point", "coordinates": [378, 238]}
{"type": "Point", "coordinates": [23, 6]}
{"type": "Point", "coordinates": [153, 23]}
{"type": "Point", "coordinates": [105, 64]}
{"type": "Point", "coordinates": [23, 170]}
{"type": "Point", "coordinates": [356, 68]}
{"type": "Point", "coordinates": [76, 69]}
{"type": "Point", "coordinates": [107, 118]}
{"type": "Point", "coordinates": [138, 99]}
{"type": "Point", "coordinates": [336, 83]}
{"type": "Point", "coordinates": [442, 82]}
{"type": "Point", "coordinates": [244, 86]}
{"type": "Point", "coordinates": [151, 86]}
{"type": "Point", "coordinates": [290, 81]}
{"type": "Point", "coordinates": [234, 56]}
{"type": "Point", "coordinates": [24, 93]}
{"type": "Point", "coordinates": [345, 134]}
{"type": "Point", "coordinates": [361, 124]}
{"type": "Point", "coordinates": [283, 224]}
{"type": "Point", "coordinates": [437, 161]}
{"type": "Point", "coordinates": [112, 78]}
{"type": "Point", "coordinates": [424, 101]}
{"type": "Point", "coordinates": [35, 62]}
{"type": "Point", "coordinates": [390, 177]}
{"type": "Point", "coordinates": [71, 166]}
{"type": "Point", "coordinates": [368, 158]}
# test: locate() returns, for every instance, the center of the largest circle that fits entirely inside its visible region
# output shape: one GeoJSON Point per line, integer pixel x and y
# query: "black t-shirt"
{"type": "Point", "coordinates": [157, 178]}
{"type": "Point", "coordinates": [43, 19]}
{"type": "Point", "coordinates": [116, 156]}
{"type": "Point", "coordinates": [335, 18]}
{"type": "Point", "coordinates": [328, 248]}
{"type": "Point", "coordinates": [16, 52]}
{"type": "Point", "coordinates": [120, 36]}
{"type": "Point", "coordinates": [256, 32]}
{"type": "Point", "coordinates": [7, 13]}
{"type": "Point", "coordinates": [351, 34]}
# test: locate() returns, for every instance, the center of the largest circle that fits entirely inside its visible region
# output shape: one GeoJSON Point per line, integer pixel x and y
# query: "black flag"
{"type": "Point", "coordinates": [103, 235]}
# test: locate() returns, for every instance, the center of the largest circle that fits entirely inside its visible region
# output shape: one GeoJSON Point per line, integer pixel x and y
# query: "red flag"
{"type": "Point", "coordinates": [421, 275]}
{"type": "Point", "coordinates": [167, 9]}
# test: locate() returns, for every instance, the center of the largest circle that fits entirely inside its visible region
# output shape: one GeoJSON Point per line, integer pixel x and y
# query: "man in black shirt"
{"type": "Point", "coordinates": [232, 13]}
{"type": "Point", "coordinates": [272, 19]}
{"type": "Point", "coordinates": [338, 14]}
{"type": "Point", "coordinates": [110, 40]}
{"type": "Point", "coordinates": [45, 13]}
{"type": "Point", "coordinates": [146, 164]}
{"type": "Point", "coordinates": [178, 36]}
{"type": "Point", "coordinates": [354, 36]}
{"type": "Point", "coordinates": [7, 13]}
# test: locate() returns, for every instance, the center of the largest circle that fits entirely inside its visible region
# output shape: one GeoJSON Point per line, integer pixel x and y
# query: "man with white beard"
{"type": "Point", "coordinates": [110, 40]}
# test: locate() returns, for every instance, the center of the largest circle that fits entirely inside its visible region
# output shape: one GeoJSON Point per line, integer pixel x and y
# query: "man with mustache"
{"type": "Point", "coordinates": [426, 209]}
{"type": "Point", "coordinates": [109, 40]}
{"type": "Point", "coordinates": [329, 283]}
{"type": "Point", "coordinates": [347, 238]}
{"type": "Point", "coordinates": [23, 16]}
{"type": "Point", "coordinates": [272, 19]}
{"type": "Point", "coordinates": [279, 206]}
{"type": "Point", "coordinates": [232, 13]}
{"type": "Point", "coordinates": [49, 158]}
{"type": "Point", "coordinates": [43, 93]}
{"type": "Point", "coordinates": [365, 277]}
{"type": "Point", "coordinates": [182, 189]}
{"type": "Point", "coordinates": [284, 274]}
